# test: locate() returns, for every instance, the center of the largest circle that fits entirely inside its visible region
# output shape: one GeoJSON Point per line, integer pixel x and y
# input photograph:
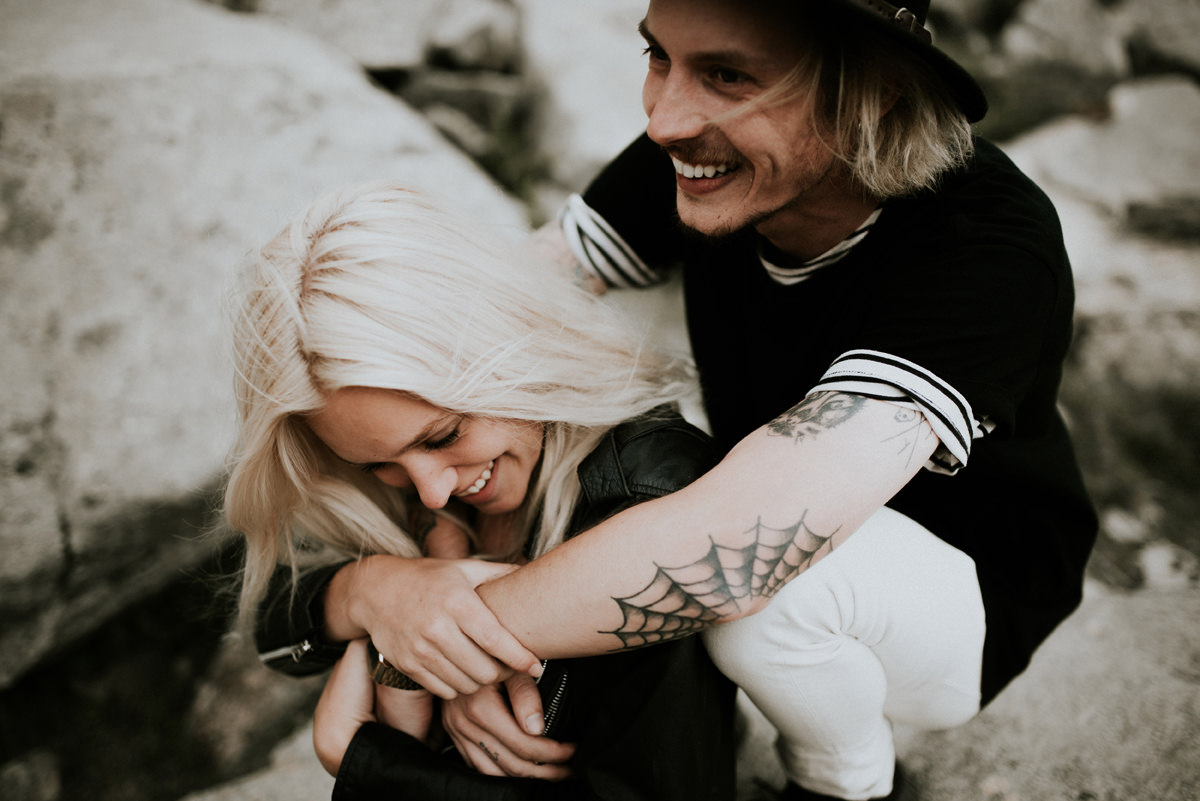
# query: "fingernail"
{"type": "Point", "coordinates": [534, 724]}
{"type": "Point", "coordinates": [537, 670]}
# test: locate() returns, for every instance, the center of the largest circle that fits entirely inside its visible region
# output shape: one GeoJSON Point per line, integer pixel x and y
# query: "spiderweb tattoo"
{"type": "Point", "coordinates": [683, 600]}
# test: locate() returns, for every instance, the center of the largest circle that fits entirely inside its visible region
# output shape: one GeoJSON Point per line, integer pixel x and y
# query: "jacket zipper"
{"type": "Point", "coordinates": [551, 711]}
{"type": "Point", "coordinates": [296, 652]}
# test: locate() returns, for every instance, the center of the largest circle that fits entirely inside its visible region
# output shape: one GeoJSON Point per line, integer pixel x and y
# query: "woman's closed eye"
{"type": "Point", "coordinates": [444, 441]}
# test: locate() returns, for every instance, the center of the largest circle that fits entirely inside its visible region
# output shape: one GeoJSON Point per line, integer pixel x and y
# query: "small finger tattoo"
{"type": "Point", "coordinates": [494, 757]}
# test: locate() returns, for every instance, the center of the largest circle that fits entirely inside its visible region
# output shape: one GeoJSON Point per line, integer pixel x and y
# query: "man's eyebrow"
{"type": "Point", "coordinates": [733, 58]}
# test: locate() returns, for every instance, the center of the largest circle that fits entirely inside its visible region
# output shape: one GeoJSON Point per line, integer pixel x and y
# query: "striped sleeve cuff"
{"type": "Point", "coordinates": [601, 250]}
{"type": "Point", "coordinates": [889, 378]}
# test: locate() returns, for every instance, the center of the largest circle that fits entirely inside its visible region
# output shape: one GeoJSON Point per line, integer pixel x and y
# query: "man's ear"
{"type": "Point", "coordinates": [891, 93]}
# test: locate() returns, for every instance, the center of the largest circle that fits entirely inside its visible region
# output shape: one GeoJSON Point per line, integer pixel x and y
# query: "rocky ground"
{"type": "Point", "coordinates": [144, 144]}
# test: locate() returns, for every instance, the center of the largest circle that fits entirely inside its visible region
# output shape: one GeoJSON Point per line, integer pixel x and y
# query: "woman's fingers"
{"type": "Point", "coordinates": [526, 703]}
{"type": "Point", "coordinates": [485, 630]}
{"type": "Point", "coordinates": [427, 620]}
{"type": "Point", "coordinates": [489, 737]}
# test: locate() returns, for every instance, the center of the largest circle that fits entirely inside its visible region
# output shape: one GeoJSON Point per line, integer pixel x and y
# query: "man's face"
{"type": "Point", "coordinates": [733, 169]}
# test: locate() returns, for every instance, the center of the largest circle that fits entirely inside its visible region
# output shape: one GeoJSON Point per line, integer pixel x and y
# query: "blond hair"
{"type": "Point", "coordinates": [878, 108]}
{"type": "Point", "coordinates": [381, 286]}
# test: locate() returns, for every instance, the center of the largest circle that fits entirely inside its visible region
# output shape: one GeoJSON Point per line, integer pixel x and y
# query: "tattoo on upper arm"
{"type": "Point", "coordinates": [816, 413]}
{"type": "Point", "coordinates": [683, 600]}
{"type": "Point", "coordinates": [910, 436]}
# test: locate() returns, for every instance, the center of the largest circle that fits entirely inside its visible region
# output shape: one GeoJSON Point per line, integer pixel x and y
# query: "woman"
{"type": "Point", "coordinates": [392, 363]}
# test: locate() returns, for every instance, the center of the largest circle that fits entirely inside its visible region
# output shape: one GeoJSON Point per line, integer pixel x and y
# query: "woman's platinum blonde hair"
{"type": "Point", "coordinates": [382, 286]}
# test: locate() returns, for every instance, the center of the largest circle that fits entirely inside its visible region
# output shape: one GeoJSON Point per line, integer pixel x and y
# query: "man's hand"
{"type": "Point", "coordinates": [502, 740]}
{"type": "Point", "coordinates": [426, 619]}
{"type": "Point", "coordinates": [347, 702]}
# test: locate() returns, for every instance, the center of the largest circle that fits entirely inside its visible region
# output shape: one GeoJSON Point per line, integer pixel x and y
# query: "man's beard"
{"type": "Point", "coordinates": [733, 229]}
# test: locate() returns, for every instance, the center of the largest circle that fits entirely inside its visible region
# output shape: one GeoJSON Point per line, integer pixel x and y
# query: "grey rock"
{"type": "Point", "coordinates": [586, 55]}
{"type": "Point", "coordinates": [384, 35]}
{"type": "Point", "coordinates": [1144, 152]}
{"type": "Point", "coordinates": [1109, 708]}
{"type": "Point", "coordinates": [1164, 34]}
{"type": "Point", "coordinates": [33, 776]}
{"type": "Point", "coordinates": [293, 775]}
{"type": "Point", "coordinates": [1086, 33]}
{"type": "Point", "coordinates": [146, 146]}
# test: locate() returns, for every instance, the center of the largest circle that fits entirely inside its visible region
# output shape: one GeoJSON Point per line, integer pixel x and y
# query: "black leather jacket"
{"type": "Point", "coordinates": [653, 724]}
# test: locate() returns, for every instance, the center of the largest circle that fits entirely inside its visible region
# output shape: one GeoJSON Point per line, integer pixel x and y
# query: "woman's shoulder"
{"type": "Point", "coordinates": [647, 457]}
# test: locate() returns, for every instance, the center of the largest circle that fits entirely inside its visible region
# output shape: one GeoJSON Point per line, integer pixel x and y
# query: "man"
{"type": "Point", "coordinates": [879, 307]}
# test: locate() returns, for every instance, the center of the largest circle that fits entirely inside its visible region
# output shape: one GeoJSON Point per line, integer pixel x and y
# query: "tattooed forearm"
{"type": "Point", "coordinates": [816, 413]}
{"type": "Point", "coordinates": [683, 600]}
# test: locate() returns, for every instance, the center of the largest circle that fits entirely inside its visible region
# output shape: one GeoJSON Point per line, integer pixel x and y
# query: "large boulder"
{"type": "Point", "coordinates": [145, 146]}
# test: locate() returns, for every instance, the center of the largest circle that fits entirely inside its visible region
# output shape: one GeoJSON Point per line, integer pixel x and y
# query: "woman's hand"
{"type": "Point", "coordinates": [426, 619]}
{"type": "Point", "coordinates": [502, 740]}
{"type": "Point", "coordinates": [347, 702]}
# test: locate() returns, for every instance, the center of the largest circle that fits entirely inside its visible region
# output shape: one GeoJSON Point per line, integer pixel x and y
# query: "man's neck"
{"type": "Point", "coordinates": [813, 225]}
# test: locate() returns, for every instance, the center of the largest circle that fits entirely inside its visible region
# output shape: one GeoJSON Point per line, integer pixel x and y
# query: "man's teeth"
{"type": "Point", "coordinates": [482, 481]}
{"type": "Point", "coordinates": [699, 170]}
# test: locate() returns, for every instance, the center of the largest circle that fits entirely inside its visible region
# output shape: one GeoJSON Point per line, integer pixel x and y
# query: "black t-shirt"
{"type": "Point", "coordinates": [957, 302]}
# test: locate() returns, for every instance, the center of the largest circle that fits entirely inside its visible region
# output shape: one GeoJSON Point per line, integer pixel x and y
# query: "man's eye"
{"type": "Point", "coordinates": [726, 75]}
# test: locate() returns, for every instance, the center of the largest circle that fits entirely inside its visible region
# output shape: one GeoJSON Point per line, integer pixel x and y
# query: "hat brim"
{"type": "Point", "coordinates": [964, 89]}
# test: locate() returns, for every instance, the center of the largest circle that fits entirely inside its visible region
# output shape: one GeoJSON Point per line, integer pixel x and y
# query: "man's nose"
{"type": "Point", "coordinates": [672, 106]}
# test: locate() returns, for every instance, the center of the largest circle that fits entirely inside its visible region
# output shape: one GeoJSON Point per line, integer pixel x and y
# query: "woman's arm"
{"type": "Point", "coordinates": [718, 550]}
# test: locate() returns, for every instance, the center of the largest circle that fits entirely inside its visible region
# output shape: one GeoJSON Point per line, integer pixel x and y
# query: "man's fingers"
{"type": "Point", "coordinates": [526, 703]}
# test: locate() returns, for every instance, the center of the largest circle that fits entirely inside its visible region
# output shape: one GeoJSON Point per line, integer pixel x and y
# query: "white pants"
{"type": "Point", "coordinates": [887, 628]}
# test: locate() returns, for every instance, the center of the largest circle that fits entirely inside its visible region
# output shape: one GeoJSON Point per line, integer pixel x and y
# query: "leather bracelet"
{"type": "Point", "coordinates": [385, 673]}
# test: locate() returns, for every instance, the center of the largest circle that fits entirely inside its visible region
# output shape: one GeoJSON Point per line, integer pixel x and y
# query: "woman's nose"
{"type": "Point", "coordinates": [672, 108]}
{"type": "Point", "coordinates": [435, 483]}
{"type": "Point", "coordinates": [434, 480]}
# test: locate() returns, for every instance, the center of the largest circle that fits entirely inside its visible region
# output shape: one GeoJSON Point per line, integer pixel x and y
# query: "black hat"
{"type": "Point", "coordinates": [906, 26]}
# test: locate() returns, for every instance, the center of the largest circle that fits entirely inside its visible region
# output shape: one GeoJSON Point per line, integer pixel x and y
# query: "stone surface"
{"type": "Point", "coordinates": [385, 35]}
{"type": "Point", "coordinates": [1082, 32]}
{"type": "Point", "coordinates": [585, 54]}
{"type": "Point", "coordinates": [145, 147]}
{"type": "Point", "coordinates": [1109, 709]}
{"type": "Point", "coordinates": [1164, 35]}
{"type": "Point", "coordinates": [293, 775]}
{"type": "Point", "coordinates": [1144, 151]}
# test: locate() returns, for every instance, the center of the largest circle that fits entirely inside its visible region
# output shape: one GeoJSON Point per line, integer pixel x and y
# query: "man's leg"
{"type": "Point", "coordinates": [889, 627]}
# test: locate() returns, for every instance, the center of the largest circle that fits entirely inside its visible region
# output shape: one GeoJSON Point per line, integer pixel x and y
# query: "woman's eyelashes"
{"type": "Point", "coordinates": [443, 441]}
{"type": "Point", "coordinates": [438, 442]}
